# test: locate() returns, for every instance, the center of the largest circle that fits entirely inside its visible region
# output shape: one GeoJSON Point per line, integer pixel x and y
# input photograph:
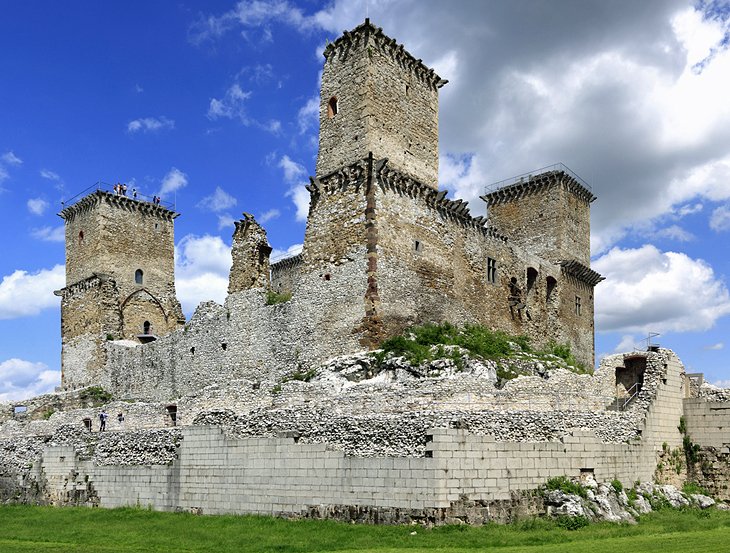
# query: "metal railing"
{"type": "Point", "coordinates": [527, 177]}
{"type": "Point", "coordinates": [108, 187]}
{"type": "Point", "coordinates": [626, 401]}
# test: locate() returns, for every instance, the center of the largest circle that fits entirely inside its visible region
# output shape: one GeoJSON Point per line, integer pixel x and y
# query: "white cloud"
{"type": "Point", "coordinates": [648, 290]}
{"type": "Point", "coordinates": [268, 215]}
{"type": "Point", "coordinates": [308, 116]}
{"type": "Point", "coordinates": [220, 200]}
{"type": "Point", "coordinates": [300, 197]}
{"type": "Point", "coordinates": [225, 221]}
{"type": "Point", "coordinates": [20, 379]}
{"type": "Point", "coordinates": [173, 181]}
{"type": "Point", "coordinates": [294, 249]}
{"type": "Point", "coordinates": [293, 171]}
{"type": "Point", "coordinates": [23, 294]}
{"type": "Point", "coordinates": [9, 158]}
{"type": "Point", "coordinates": [231, 106]}
{"type": "Point", "coordinates": [202, 265]}
{"type": "Point", "coordinates": [50, 175]}
{"type": "Point", "coordinates": [49, 234]}
{"type": "Point", "coordinates": [138, 89]}
{"type": "Point", "coordinates": [37, 206]}
{"type": "Point", "coordinates": [150, 124]}
{"type": "Point", "coordinates": [722, 383]}
{"type": "Point", "coordinates": [627, 343]}
{"type": "Point", "coordinates": [715, 347]}
{"type": "Point", "coordinates": [3, 176]}
{"type": "Point", "coordinates": [675, 232]}
{"type": "Point", "coordinates": [720, 219]}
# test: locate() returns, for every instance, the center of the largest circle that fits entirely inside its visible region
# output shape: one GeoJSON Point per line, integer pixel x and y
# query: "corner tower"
{"type": "Point", "coordinates": [120, 280]}
{"type": "Point", "coordinates": [378, 98]}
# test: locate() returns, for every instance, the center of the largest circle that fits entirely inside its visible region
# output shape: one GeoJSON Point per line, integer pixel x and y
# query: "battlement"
{"type": "Point", "coordinates": [368, 35]}
{"type": "Point", "coordinates": [87, 203]}
{"type": "Point", "coordinates": [518, 187]}
{"type": "Point", "coordinates": [581, 272]}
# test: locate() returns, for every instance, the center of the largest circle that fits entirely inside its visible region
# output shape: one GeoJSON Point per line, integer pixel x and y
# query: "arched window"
{"type": "Point", "coordinates": [551, 284]}
{"type": "Point", "coordinates": [146, 327]}
{"type": "Point", "coordinates": [138, 276]}
{"type": "Point", "coordinates": [81, 237]}
{"type": "Point", "coordinates": [332, 107]}
{"type": "Point", "coordinates": [531, 277]}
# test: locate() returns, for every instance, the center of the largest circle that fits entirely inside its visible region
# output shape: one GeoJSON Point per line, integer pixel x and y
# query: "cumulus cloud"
{"type": "Point", "coordinates": [720, 219]}
{"type": "Point", "coordinates": [638, 109]}
{"type": "Point", "coordinates": [49, 234]}
{"type": "Point", "coordinates": [202, 265]}
{"type": "Point", "coordinates": [649, 290]}
{"type": "Point", "coordinates": [23, 294]}
{"type": "Point", "coordinates": [675, 232]}
{"type": "Point", "coordinates": [293, 171]}
{"type": "Point", "coordinates": [220, 200]}
{"type": "Point", "coordinates": [173, 181]}
{"type": "Point", "coordinates": [225, 221]}
{"type": "Point", "coordinates": [37, 206]}
{"type": "Point", "coordinates": [150, 124]}
{"type": "Point", "coordinates": [22, 379]}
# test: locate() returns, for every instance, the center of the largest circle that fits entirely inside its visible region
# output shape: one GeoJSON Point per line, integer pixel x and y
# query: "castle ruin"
{"type": "Point", "coordinates": [254, 407]}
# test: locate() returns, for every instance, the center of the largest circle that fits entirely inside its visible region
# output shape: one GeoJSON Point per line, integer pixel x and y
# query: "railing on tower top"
{"type": "Point", "coordinates": [527, 177]}
{"type": "Point", "coordinates": [108, 187]}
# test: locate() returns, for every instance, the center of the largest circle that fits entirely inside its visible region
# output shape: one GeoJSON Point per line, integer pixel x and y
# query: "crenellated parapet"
{"type": "Point", "coordinates": [92, 201]}
{"type": "Point", "coordinates": [580, 272]}
{"type": "Point", "coordinates": [94, 281]}
{"type": "Point", "coordinates": [534, 184]}
{"type": "Point", "coordinates": [368, 35]}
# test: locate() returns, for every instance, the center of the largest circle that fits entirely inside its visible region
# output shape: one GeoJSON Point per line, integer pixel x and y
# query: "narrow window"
{"type": "Point", "coordinates": [81, 237]}
{"type": "Point", "coordinates": [418, 245]}
{"type": "Point", "coordinates": [87, 424]}
{"type": "Point", "coordinates": [577, 305]}
{"type": "Point", "coordinates": [332, 107]}
{"type": "Point", "coordinates": [138, 276]}
{"type": "Point", "coordinates": [172, 413]}
{"type": "Point", "coordinates": [531, 277]}
{"type": "Point", "coordinates": [146, 327]}
{"type": "Point", "coordinates": [20, 409]}
{"type": "Point", "coordinates": [491, 270]}
{"type": "Point", "coordinates": [551, 284]}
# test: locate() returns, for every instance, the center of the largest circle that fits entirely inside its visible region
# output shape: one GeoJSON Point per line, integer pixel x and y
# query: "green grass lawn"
{"type": "Point", "coordinates": [46, 529]}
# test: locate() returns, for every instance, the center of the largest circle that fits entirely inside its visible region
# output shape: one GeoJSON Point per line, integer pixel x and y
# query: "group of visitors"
{"type": "Point", "coordinates": [120, 189]}
{"type": "Point", "coordinates": [103, 416]}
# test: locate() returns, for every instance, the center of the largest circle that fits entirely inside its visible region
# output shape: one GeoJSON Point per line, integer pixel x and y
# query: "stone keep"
{"type": "Point", "coordinates": [375, 202]}
{"type": "Point", "coordinates": [120, 280]}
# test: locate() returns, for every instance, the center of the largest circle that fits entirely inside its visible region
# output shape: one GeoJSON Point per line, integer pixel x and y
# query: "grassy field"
{"type": "Point", "coordinates": [43, 529]}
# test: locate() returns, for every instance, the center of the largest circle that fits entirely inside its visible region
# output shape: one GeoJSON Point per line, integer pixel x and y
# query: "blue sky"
{"type": "Point", "coordinates": [213, 105]}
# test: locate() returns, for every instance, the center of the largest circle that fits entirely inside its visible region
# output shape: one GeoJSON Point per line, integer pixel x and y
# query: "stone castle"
{"type": "Point", "coordinates": [384, 249]}
{"type": "Point", "coordinates": [283, 408]}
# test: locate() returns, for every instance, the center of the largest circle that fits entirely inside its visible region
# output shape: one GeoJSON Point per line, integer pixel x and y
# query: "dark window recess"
{"type": "Point", "coordinates": [531, 278]}
{"type": "Point", "coordinates": [224, 346]}
{"type": "Point", "coordinates": [418, 245]}
{"type": "Point", "coordinates": [81, 236]}
{"type": "Point", "coordinates": [146, 327]}
{"type": "Point", "coordinates": [87, 423]}
{"type": "Point", "coordinates": [138, 276]}
{"type": "Point", "coordinates": [192, 350]}
{"type": "Point", "coordinates": [491, 270]}
{"type": "Point", "coordinates": [577, 305]}
{"type": "Point", "coordinates": [172, 413]}
{"type": "Point", "coordinates": [327, 276]}
{"type": "Point", "coordinates": [332, 107]}
{"type": "Point", "coordinates": [551, 284]}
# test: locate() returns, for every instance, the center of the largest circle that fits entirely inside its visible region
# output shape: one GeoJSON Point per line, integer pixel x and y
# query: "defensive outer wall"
{"type": "Point", "coordinates": [461, 474]}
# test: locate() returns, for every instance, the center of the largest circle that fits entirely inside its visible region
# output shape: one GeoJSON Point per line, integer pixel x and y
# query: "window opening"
{"type": "Point", "coordinates": [87, 423]}
{"type": "Point", "coordinates": [531, 278]}
{"type": "Point", "coordinates": [172, 413]}
{"type": "Point", "coordinates": [332, 107]}
{"type": "Point", "coordinates": [20, 409]}
{"type": "Point", "coordinates": [577, 305]}
{"type": "Point", "coordinates": [551, 284]}
{"type": "Point", "coordinates": [418, 245]}
{"type": "Point", "coordinates": [491, 270]}
{"type": "Point", "coordinates": [81, 237]}
{"type": "Point", "coordinates": [146, 327]}
{"type": "Point", "coordinates": [138, 276]}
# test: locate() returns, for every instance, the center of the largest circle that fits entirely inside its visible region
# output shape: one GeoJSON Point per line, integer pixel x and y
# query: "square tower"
{"type": "Point", "coordinates": [120, 280]}
{"type": "Point", "coordinates": [376, 97]}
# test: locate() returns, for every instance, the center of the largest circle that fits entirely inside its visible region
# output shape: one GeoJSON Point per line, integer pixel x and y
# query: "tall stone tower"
{"type": "Point", "coordinates": [376, 97]}
{"type": "Point", "coordinates": [120, 280]}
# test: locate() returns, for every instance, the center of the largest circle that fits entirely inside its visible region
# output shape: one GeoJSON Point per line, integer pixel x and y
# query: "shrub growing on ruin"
{"type": "Point", "coordinates": [273, 298]}
{"type": "Point", "coordinates": [565, 485]}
